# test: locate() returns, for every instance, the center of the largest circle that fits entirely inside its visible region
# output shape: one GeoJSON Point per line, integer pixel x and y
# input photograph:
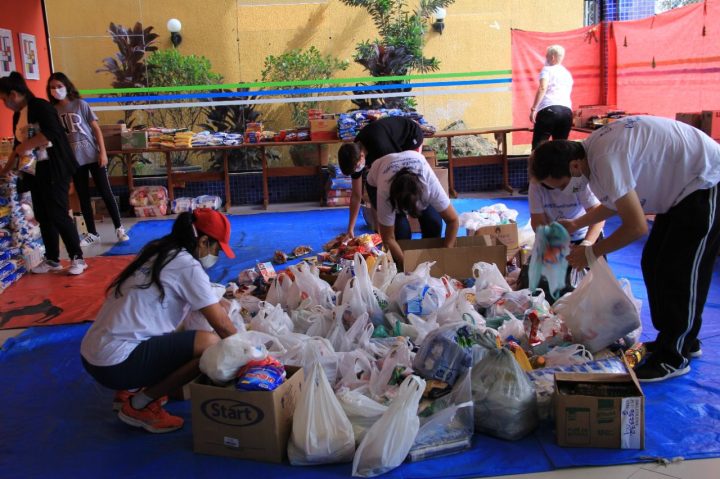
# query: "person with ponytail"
{"type": "Point", "coordinates": [134, 343]}
{"type": "Point", "coordinates": [37, 129]}
{"type": "Point", "coordinates": [402, 184]}
{"type": "Point", "coordinates": [86, 140]}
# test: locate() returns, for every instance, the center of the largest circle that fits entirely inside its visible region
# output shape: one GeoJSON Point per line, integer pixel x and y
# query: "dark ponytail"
{"type": "Point", "coordinates": [15, 82]}
{"type": "Point", "coordinates": [405, 192]}
{"type": "Point", "coordinates": [184, 236]}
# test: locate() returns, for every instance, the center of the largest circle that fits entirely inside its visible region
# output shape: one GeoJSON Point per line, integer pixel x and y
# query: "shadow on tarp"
{"type": "Point", "coordinates": [51, 409]}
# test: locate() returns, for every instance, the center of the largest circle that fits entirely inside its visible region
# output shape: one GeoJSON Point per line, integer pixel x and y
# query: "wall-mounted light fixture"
{"type": "Point", "coordinates": [174, 26]}
{"type": "Point", "coordinates": [439, 24]}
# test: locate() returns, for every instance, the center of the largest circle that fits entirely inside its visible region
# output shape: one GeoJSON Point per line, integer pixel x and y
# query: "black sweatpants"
{"type": "Point", "coordinates": [554, 121]}
{"type": "Point", "coordinates": [50, 204]}
{"type": "Point", "coordinates": [677, 265]}
{"type": "Point", "coordinates": [102, 183]}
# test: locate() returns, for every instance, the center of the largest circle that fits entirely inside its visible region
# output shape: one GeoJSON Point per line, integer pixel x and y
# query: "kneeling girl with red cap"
{"type": "Point", "coordinates": [133, 343]}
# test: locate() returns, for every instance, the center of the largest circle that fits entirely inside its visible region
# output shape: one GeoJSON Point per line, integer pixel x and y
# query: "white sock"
{"type": "Point", "coordinates": [140, 400]}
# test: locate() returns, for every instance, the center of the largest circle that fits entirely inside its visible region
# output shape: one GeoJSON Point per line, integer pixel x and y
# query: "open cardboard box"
{"type": "Point", "coordinates": [456, 262]}
{"type": "Point", "coordinates": [599, 410]}
{"type": "Point", "coordinates": [244, 424]}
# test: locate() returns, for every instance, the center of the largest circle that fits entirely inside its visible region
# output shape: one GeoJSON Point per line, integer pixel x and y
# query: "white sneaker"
{"type": "Point", "coordinates": [89, 239]}
{"type": "Point", "coordinates": [46, 266]}
{"type": "Point", "coordinates": [121, 235]}
{"type": "Point", "coordinates": [77, 266]}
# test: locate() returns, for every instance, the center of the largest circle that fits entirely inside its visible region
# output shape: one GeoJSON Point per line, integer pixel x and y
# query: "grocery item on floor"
{"type": "Point", "coordinates": [208, 201]}
{"type": "Point", "coordinates": [149, 200]}
{"type": "Point", "coordinates": [504, 398]}
{"type": "Point", "coordinates": [446, 423]}
{"type": "Point", "coordinates": [182, 205]}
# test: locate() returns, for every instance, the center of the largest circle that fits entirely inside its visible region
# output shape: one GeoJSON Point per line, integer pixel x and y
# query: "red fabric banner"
{"type": "Point", "coordinates": [582, 59]}
{"type": "Point", "coordinates": [669, 63]}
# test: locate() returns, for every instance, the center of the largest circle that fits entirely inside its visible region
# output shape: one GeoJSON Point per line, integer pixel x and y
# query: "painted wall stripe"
{"type": "Point", "coordinates": [330, 81]}
{"type": "Point", "coordinates": [155, 106]}
{"type": "Point", "coordinates": [295, 92]}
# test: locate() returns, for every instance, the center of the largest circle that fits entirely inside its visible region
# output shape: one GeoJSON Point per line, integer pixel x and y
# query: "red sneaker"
{"type": "Point", "coordinates": [122, 396]}
{"type": "Point", "coordinates": [152, 418]}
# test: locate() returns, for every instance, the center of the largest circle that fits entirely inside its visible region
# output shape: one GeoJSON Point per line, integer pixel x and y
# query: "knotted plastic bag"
{"type": "Point", "coordinates": [222, 360]}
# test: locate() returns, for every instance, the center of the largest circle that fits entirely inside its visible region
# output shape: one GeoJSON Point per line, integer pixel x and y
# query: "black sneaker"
{"type": "Point", "coordinates": [695, 350]}
{"type": "Point", "coordinates": [653, 369]}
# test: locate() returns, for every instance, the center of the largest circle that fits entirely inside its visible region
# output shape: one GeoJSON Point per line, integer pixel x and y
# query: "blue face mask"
{"type": "Point", "coordinates": [576, 185]}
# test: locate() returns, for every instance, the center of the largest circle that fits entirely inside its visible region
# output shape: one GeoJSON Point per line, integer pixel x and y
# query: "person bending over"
{"type": "Point", "coordinates": [403, 184]}
{"type": "Point", "coordinates": [648, 165]}
{"type": "Point", "coordinates": [133, 343]}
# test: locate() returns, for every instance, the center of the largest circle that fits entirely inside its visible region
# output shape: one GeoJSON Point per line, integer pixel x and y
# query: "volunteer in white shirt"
{"type": "Point", "coordinates": [133, 342]}
{"type": "Point", "coordinates": [548, 205]}
{"type": "Point", "coordinates": [551, 111]}
{"type": "Point", "coordinates": [646, 165]}
{"type": "Point", "coordinates": [403, 183]}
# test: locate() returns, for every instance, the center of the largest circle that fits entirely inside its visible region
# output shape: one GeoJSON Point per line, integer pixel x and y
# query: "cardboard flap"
{"type": "Point", "coordinates": [456, 262]}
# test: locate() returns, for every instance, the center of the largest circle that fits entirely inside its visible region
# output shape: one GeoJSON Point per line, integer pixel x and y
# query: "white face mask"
{"type": "Point", "coordinates": [59, 93]}
{"type": "Point", "coordinates": [208, 261]}
{"type": "Point", "coordinates": [359, 167]}
{"type": "Point", "coordinates": [576, 185]}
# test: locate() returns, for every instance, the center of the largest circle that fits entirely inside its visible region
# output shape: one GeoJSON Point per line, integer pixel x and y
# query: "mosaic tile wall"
{"type": "Point", "coordinates": [246, 188]}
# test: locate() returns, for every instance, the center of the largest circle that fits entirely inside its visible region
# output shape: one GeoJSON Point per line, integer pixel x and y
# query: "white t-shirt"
{"type": "Point", "coordinates": [559, 86]}
{"type": "Point", "coordinates": [555, 205]}
{"type": "Point", "coordinates": [662, 160]}
{"type": "Point", "coordinates": [384, 168]}
{"type": "Point", "coordinates": [138, 314]}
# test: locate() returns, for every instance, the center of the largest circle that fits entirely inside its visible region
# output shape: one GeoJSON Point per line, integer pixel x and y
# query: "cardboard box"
{"type": "Point", "coordinates": [506, 234]}
{"type": "Point", "coordinates": [111, 136]}
{"type": "Point", "coordinates": [430, 156]}
{"type": "Point", "coordinates": [325, 129]}
{"type": "Point", "coordinates": [599, 410]}
{"type": "Point", "coordinates": [456, 262]}
{"type": "Point", "coordinates": [692, 119]}
{"type": "Point", "coordinates": [133, 140]}
{"type": "Point", "coordinates": [100, 210]}
{"type": "Point", "coordinates": [584, 113]}
{"type": "Point", "coordinates": [244, 424]}
{"type": "Point", "coordinates": [710, 123]}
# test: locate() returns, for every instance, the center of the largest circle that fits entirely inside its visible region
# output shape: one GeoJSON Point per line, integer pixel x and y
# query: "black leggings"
{"type": "Point", "coordinates": [102, 183]}
{"type": "Point", "coordinates": [50, 204]}
{"type": "Point", "coordinates": [555, 121]}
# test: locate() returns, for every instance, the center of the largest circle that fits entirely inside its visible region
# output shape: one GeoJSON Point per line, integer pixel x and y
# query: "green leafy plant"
{"type": "Point", "coordinates": [399, 50]}
{"type": "Point", "coordinates": [298, 65]}
{"type": "Point", "coordinates": [171, 68]}
{"type": "Point", "coordinates": [128, 69]}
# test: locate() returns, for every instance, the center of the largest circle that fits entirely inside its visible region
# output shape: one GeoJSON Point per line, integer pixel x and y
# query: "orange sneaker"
{"type": "Point", "coordinates": [122, 396]}
{"type": "Point", "coordinates": [152, 418]}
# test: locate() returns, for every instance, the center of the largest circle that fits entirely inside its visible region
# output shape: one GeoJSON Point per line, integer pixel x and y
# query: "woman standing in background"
{"type": "Point", "coordinates": [37, 128]}
{"type": "Point", "coordinates": [87, 142]}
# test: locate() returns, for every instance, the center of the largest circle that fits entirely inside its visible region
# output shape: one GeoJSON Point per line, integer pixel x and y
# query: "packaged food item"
{"type": "Point", "coordinates": [263, 375]}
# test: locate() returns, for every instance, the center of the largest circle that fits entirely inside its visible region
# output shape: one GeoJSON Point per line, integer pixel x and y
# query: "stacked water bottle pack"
{"type": "Point", "coordinates": [21, 246]}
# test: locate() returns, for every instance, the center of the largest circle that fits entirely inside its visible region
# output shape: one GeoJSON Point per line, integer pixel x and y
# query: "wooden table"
{"type": "Point", "coordinates": [175, 178]}
{"type": "Point", "coordinates": [500, 134]}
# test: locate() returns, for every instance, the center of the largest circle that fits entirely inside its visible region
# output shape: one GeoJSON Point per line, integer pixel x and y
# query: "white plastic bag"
{"type": "Point", "coordinates": [321, 431]}
{"type": "Point", "coordinates": [272, 319]}
{"type": "Point", "coordinates": [504, 397]}
{"type": "Point", "coordinates": [308, 289]}
{"type": "Point", "coordinates": [446, 353]}
{"type": "Point", "coordinates": [458, 308]}
{"type": "Point", "coordinates": [397, 363]}
{"type": "Point", "coordinates": [599, 311]}
{"type": "Point", "coordinates": [279, 290]}
{"type": "Point", "coordinates": [360, 295]}
{"type": "Point", "coordinates": [362, 411]}
{"type": "Point", "coordinates": [487, 275]}
{"type": "Point", "coordinates": [389, 440]}
{"type": "Point", "coordinates": [383, 272]}
{"type": "Point", "coordinates": [567, 355]}
{"type": "Point", "coordinates": [222, 360]}
{"type": "Point", "coordinates": [313, 349]}
{"type": "Point", "coordinates": [354, 369]}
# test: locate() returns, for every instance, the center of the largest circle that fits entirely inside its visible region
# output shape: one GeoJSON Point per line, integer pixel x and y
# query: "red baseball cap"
{"type": "Point", "coordinates": [215, 225]}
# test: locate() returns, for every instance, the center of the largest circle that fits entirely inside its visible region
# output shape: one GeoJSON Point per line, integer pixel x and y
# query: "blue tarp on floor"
{"type": "Point", "coordinates": [55, 421]}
